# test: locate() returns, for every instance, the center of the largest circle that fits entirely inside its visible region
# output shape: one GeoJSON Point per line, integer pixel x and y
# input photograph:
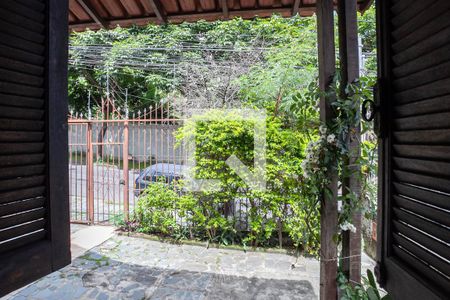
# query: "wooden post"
{"type": "Point", "coordinates": [328, 205]}
{"type": "Point", "coordinates": [126, 179]}
{"type": "Point", "coordinates": [90, 174]}
{"type": "Point", "coordinates": [349, 67]}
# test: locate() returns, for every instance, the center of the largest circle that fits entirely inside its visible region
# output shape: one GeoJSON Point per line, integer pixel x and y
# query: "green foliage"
{"type": "Point", "coordinates": [216, 141]}
{"type": "Point", "coordinates": [155, 207]}
{"type": "Point", "coordinates": [215, 216]}
{"type": "Point", "coordinates": [293, 42]}
{"type": "Point", "coordinates": [366, 291]}
{"type": "Point", "coordinates": [367, 29]}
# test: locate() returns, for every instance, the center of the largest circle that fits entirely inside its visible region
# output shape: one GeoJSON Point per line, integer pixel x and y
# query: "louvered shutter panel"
{"type": "Point", "coordinates": [416, 145]}
{"type": "Point", "coordinates": [31, 204]}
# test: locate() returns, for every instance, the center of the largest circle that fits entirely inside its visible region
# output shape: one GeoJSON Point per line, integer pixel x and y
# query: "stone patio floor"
{"type": "Point", "coordinates": [135, 268]}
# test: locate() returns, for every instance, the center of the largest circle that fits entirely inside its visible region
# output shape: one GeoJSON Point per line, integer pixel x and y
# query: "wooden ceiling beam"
{"type": "Point", "coordinates": [92, 13]}
{"type": "Point", "coordinates": [192, 17]}
{"type": "Point", "coordinates": [159, 10]}
{"type": "Point", "coordinates": [296, 7]}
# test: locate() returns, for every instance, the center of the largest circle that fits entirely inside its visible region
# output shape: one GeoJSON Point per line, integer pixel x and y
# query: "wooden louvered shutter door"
{"type": "Point", "coordinates": [34, 223]}
{"type": "Point", "coordinates": [415, 108]}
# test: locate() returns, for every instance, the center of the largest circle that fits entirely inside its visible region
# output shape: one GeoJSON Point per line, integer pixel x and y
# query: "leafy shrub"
{"type": "Point", "coordinates": [270, 213]}
{"type": "Point", "coordinates": [234, 213]}
{"type": "Point", "coordinates": [155, 208]}
{"type": "Point", "coordinates": [368, 290]}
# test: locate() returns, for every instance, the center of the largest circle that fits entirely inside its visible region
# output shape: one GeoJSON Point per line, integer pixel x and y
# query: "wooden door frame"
{"type": "Point", "coordinates": [37, 259]}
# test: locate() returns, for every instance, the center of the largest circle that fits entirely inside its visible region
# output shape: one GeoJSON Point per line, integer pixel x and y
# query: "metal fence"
{"type": "Point", "coordinates": [106, 157]}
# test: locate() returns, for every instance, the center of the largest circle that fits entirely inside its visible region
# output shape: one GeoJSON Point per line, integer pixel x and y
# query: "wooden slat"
{"type": "Point", "coordinates": [433, 213]}
{"type": "Point", "coordinates": [21, 136]}
{"type": "Point", "coordinates": [21, 230]}
{"type": "Point", "coordinates": [32, 13]}
{"type": "Point", "coordinates": [21, 21]}
{"type": "Point", "coordinates": [19, 101]}
{"type": "Point", "coordinates": [16, 219]}
{"type": "Point", "coordinates": [87, 8]}
{"type": "Point", "coordinates": [21, 183]}
{"type": "Point", "coordinates": [441, 153]}
{"type": "Point", "coordinates": [114, 9]}
{"type": "Point", "coordinates": [422, 33]}
{"type": "Point", "coordinates": [429, 121]}
{"type": "Point", "coordinates": [21, 78]}
{"type": "Point", "coordinates": [21, 55]}
{"type": "Point", "coordinates": [22, 194]}
{"type": "Point", "coordinates": [424, 167]}
{"type": "Point", "coordinates": [400, 5]}
{"type": "Point", "coordinates": [436, 9]}
{"type": "Point", "coordinates": [423, 47]}
{"type": "Point", "coordinates": [132, 7]}
{"type": "Point", "coordinates": [438, 72]}
{"type": "Point", "coordinates": [21, 33]}
{"type": "Point", "coordinates": [37, 5]}
{"type": "Point", "coordinates": [18, 148]}
{"type": "Point", "coordinates": [159, 10]}
{"type": "Point", "coordinates": [431, 276]}
{"type": "Point", "coordinates": [22, 241]}
{"type": "Point", "coordinates": [21, 44]}
{"type": "Point", "coordinates": [423, 137]}
{"type": "Point", "coordinates": [410, 11]}
{"type": "Point", "coordinates": [429, 182]}
{"type": "Point", "coordinates": [21, 113]}
{"type": "Point", "coordinates": [22, 205]}
{"type": "Point", "coordinates": [79, 11]}
{"type": "Point", "coordinates": [18, 66]}
{"type": "Point", "coordinates": [430, 197]}
{"type": "Point", "coordinates": [21, 171]}
{"type": "Point", "coordinates": [73, 18]}
{"type": "Point", "coordinates": [21, 159]}
{"type": "Point", "coordinates": [426, 91]}
{"type": "Point", "coordinates": [423, 62]}
{"type": "Point", "coordinates": [25, 125]}
{"type": "Point", "coordinates": [20, 90]}
{"type": "Point", "coordinates": [431, 228]}
{"type": "Point", "coordinates": [429, 106]}
{"type": "Point", "coordinates": [425, 255]}
{"type": "Point", "coordinates": [426, 241]}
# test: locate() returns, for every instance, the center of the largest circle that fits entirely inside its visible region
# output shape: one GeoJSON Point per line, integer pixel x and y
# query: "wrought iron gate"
{"type": "Point", "coordinates": [107, 156]}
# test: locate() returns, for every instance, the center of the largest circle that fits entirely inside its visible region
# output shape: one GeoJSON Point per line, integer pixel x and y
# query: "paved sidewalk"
{"type": "Point", "coordinates": [135, 268]}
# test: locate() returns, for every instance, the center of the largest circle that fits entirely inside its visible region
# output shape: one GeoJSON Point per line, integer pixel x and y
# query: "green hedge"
{"type": "Point", "coordinates": [235, 214]}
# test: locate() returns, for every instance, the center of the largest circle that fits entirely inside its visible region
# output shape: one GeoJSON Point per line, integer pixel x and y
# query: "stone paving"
{"type": "Point", "coordinates": [136, 268]}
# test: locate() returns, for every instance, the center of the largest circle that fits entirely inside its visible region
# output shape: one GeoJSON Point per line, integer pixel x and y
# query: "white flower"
{"type": "Point", "coordinates": [322, 129]}
{"type": "Point", "coordinates": [331, 139]}
{"type": "Point", "coordinates": [348, 226]}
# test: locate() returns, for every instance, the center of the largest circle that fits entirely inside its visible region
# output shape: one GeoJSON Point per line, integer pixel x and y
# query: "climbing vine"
{"type": "Point", "coordinates": [330, 154]}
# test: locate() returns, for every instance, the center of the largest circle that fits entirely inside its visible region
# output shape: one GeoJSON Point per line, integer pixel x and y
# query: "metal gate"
{"type": "Point", "coordinates": [108, 155]}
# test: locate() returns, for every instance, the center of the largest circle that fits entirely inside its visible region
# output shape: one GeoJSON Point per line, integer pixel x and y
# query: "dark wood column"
{"type": "Point", "coordinates": [349, 68]}
{"type": "Point", "coordinates": [328, 208]}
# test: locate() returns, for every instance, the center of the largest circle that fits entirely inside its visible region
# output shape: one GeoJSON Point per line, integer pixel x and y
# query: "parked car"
{"type": "Point", "coordinates": [169, 172]}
